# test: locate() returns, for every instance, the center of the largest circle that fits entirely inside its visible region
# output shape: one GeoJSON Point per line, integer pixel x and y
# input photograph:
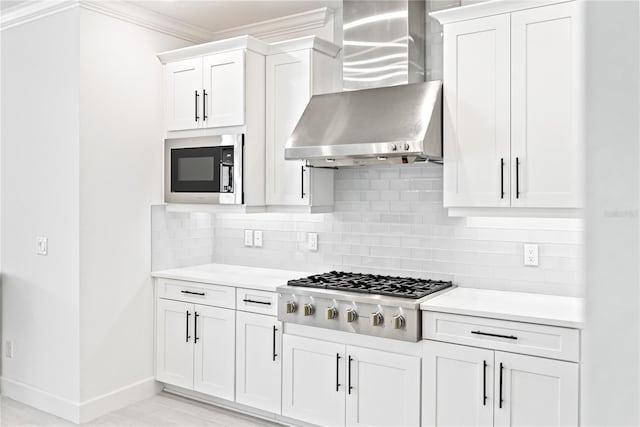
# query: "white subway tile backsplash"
{"type": "Point", "coordinates": [387, 220]}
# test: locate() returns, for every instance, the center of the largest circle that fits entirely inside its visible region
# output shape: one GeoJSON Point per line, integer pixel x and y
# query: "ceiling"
{"type": "Point", "coordinates": [217, 15]}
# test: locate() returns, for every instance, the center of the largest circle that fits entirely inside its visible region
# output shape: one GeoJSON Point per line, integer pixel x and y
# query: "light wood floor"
{"type": "Point", "coordinates": [161, 410]}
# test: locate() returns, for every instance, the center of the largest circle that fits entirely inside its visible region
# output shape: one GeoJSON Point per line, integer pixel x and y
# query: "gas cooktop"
{"type": "Point", "coordinates": [404, 287]}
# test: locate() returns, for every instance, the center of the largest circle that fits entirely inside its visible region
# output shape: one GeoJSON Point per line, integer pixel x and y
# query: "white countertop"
{"type": "Point", "coordinates": [266, 279]}
{"type": "Point", "coordinates": [517, 306]}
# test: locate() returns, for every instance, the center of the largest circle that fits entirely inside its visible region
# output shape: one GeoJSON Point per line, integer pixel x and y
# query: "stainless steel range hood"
{"type": "Point", "coordinates": [397, 124]}
{"type": "Point", "coordinates": [368, 124]}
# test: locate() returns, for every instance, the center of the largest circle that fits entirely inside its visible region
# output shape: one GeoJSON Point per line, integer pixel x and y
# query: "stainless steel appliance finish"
{"type": "Point", "coordinates": [384, 43]}
{"type": "Point", "coordinates": [214, 174]}
{"type": "Point", "coordinates": [398, 124]}
{"type": "Point", "coordinates": [358, 310]}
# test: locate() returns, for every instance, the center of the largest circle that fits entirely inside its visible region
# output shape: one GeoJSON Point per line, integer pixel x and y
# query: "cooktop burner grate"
{"type": "Point", "coordinates": [404, 287]}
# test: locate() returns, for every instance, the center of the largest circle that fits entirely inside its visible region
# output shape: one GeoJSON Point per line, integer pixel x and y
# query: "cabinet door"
{"type": "Point", "coordinates": [476, 113]}
{"type": "Point", "coordinates": [174, 342]}
{"type": "Point", "coordinates": [383, 389]}
{"type": "Point", "coordinates": [183, 94]}
{"type": "Point", "coordinates": [313, 386]}
{"type": "Point", "coordinates": [535, 391]}
{"type": "Point", "coordinates": [545, 85]}
{"type": "Point", "coordinates": [214, 343]}
{"type": "Point", "coordinates": [455, 381]}
{"type": "Point", "coordinates": [258, 361]}
{"type": "Point", "coordinates": [288, 90]}
{"type": "Point", "coordinates": [223, 83]}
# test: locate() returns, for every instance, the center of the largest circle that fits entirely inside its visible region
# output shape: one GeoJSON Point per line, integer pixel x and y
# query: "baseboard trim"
{"type": "Point", "coordinates": [117, 399]}
{"type": "Point", "coordinates": [79, 412]}
{"type": "Point", "coordinates": [40, 399]}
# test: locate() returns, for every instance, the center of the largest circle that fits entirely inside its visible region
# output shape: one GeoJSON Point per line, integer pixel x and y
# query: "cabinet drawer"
{"type": "Point", "coordinates": [526, 338]}
{"type": "Point", "coordinates": [199, 293]}
{"type": "Point", "coordinates": [253, 301]}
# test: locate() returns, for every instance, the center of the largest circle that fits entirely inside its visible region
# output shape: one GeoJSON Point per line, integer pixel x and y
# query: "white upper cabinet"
{"type": "Point", "coordinates": [545, 146]}
{"type": "Point", "coordinates": [476, 112]}
{"type": "Point", "coordinates": [183, 84]}
{"type": "Point", "coordinates": [511, 106]}
{"type": "Point", "coordinates": [215, 85]}
{"type": "Point", "coordinates": [295, 72]}
{"type": "Point", "coordinates": [223, 89]}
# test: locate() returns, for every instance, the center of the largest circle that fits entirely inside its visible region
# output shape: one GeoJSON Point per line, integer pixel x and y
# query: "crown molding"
{"type": "Point", "coordinates": [281, 27]}
{"type": "Point", "coordinates": [488, 8]}
{"type": "Point", "coordinates": [234, 43]}
{"type": "Point", "coordinates": [122, 10]}
{"type": "Point", "coordinates": [309, 42]}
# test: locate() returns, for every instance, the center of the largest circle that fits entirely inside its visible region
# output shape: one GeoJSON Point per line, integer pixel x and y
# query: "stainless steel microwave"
{"type": "Point", "coordinates": [204, 170]}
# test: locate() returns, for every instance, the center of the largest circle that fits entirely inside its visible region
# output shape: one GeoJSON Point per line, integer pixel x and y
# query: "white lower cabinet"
{"type": "Point", "coordinates": [331, 384]}
{"type": "Point", "coordinates": [464, 386]}
{"type": "Point", "coordinates": [214, 343]}
{"type": "Point", "coordinates": [195, 347]}
{"type": "Point", "coordinates": [258, 361]}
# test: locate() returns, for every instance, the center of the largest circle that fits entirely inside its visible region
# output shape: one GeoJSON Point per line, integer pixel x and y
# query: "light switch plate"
{"type": "Point", "coordinates": [531, 255]}
{"type": "Point", "coordinates": [257, 238]}
{"type": "Point", "coordinates": [248, 238]}
{"type": "Point", "coordinates": [312, 241]}
{"type": "Point", "coordinates": [42, 245]}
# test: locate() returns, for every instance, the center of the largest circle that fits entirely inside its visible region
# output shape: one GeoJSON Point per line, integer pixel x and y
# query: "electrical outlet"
{"type": "Point", "coordinates": [8, 349]}
{"type": "Point", "coordinates": [41, 245]}
{"type": "Point", "coordinates": [257, 238]}
{"type": "Point", "coordinates": [312, 241]}
{"type": "Point", "coordinates": [248, 238]}
{"type": "Point", "coordinates": [531, 255]}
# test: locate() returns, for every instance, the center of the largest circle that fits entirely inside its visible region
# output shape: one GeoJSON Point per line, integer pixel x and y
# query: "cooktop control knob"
{"type": "Point", "coordinates": [376, 319]}
{"type": "Point", "coordinates": [290, 307]}
{"type": "Point", "coordinates": [352, 315]}
{"type": "Point", "coordinates": [393, 147]}
{"type": "Point", "coordinates": [398, 321]}
{"type": "Point", "coordinates": [406, 146]}
{"type": "Point", "coordinates": [308, 309]}
{"type": "Point", "coordinates": [332, 312]}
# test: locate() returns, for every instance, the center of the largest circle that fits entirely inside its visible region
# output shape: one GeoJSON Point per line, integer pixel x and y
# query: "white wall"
{"type": "Point", "coordinates": [82, 155]}
{"type": "Point", "coordinates": [121, 148]}
{"type": "Point", "coordinates": [40, 140]}
{"type": "Point", "coordinates": [612, 339]}
{"type": "Point", "coordinates": [390, 220]}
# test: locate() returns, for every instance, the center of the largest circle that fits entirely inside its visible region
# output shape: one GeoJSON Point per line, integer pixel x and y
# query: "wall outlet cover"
{"type": "Point", "coordinates": [257, 238]}
{"type": "Point", "coordinates": [8, 349]}
{"type": "Point", "coordinates": [312, 241]}
{"type": "Point", "coordinates": [531, 255]}
{"type": "Point", "coordinates": [248, 238]}
{"type": "Point", "coordinates": [42, 245]}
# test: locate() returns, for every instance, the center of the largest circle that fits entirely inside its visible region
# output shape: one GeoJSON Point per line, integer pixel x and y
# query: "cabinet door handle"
{"type": "Point", "coordinates": [274, 343]}
{"type": "Point", "coordinates": [193, 293]}
{"type": "Point", "coordinates": [510, 337]}
{"type": "Point", "coordinates": [502, 177]}
{"type": "Point", "coordinates": [204, 104]}
{"type": "Point", "coordinates": [484, 383]}
{"type": "Point", "coordinates": [257, 302]}
{"type": "Point", "coordinates": [349, 374]}
{"type": "Point", "coordinates": [501, 368]}
{"type": "Point", "coordinates": [197, 106]}
{"type": "Point", "coordinates": [187, 335]}
{"type": "Point", "coordinates": [195, 327]}
{"type": "Point", "coordinates": [338, 372]}
{"type": "Point", "coordinates": [302, 193]}
{"type": "Point", "coordinates": [517, 177]}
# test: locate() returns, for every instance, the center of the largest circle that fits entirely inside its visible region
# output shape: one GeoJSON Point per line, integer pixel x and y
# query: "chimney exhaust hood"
{"type": "Point", "coordinates": [396, 124]}
{"type": "Point", "coordinates": [387, 113]}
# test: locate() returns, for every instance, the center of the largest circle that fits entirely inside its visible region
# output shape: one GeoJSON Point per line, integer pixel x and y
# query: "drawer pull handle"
{"type": "Point", "coordinates": [257, 302]}
{"type": "Point", "coordinates": [510, 337]}
{"type": "Point", "coordinates": [193, 293]}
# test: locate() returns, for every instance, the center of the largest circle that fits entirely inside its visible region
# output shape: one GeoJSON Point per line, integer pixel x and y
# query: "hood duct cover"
{"type": "Point", "coordinates": [397, 124]}
{"type": "Point", "coordinates": [387, 113]}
